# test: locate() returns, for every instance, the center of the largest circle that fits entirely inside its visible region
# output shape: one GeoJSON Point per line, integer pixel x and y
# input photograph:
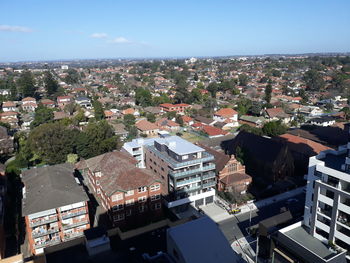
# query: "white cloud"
{"type": "Point", "coordinates": [15, 29]}
{"type": "Point", "coordinates": [98, 35]}
{"type": "Point", "coordinates": [120, 40]}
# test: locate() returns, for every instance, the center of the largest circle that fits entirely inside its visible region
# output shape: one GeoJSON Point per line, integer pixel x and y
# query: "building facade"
{"type": "Point", "coordinates": [55, 206]}
{"type": "Point", "coordinates": [187, 169]}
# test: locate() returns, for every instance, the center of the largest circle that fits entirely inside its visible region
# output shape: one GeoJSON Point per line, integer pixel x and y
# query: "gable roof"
{"type": "Point", "coordinates": [226, 112]}
{"type": "Point", "coordinates": [213, 131]}
{"type": "Point", "coordinates": [145, 125]}
{"type": "Point", "coordinates": [276, 112]}
{"type": "Point", "coordinates": [166, 122]}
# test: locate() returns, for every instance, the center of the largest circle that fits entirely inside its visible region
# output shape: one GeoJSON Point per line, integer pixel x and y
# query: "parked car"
{"type": "Point", "coordinates": [234, 211]}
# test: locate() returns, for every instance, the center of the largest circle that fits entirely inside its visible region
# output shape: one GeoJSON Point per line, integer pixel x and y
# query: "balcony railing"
{"type": "Point", "coordinates": [80, 223]}
{"type": "Point", "coordinates": [38, 222]}
{"type": "Point", "coordinates": [209, 175]}
{"type": "Point", "coordinates": [73, 214]}
{"type": "Point", "coordinates": [192, 171]}
{"type": "Point", "coordinates": [45, 232]}
{"type": "Point", "coordinates": [210, 184]}
{"type": "Point", "coordinates": [73, 235]}
{"type": "Point", "coordinates": [191, 189]}
{"type": "Point", "coordinates": [48, 243]}
{"type": "Point", "coordinates": [197, 179]}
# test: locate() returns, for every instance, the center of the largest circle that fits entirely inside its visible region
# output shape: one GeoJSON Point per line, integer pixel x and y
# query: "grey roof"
{"type": "Point", "coordinates": [50, 187]}
{"type": "Point", "coordinates": [179, 145]}
{"type": "Point", "coordinates": [202, 241]}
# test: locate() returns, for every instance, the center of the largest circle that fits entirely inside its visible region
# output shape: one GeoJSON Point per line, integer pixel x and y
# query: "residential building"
{"type": "Point", "coordinates": [9, 106]}
{"type": "Point", "coordinates": [187, 169]}
{"type": "Point", "coordinates": [228, 115]}
{"type": "Point", "coordinates": [54, 205]}
{"type": "Point", "coordinates": [84, 102]}
{"type": "Point", "coordinates": [147, 128]}
{"type": "Point", "coordinates": [136, 149]}
{"type": "Point", "coordinates": [6, 142]}
{"type": "Point", "coordinates": [29, 104]}
{"type": "Point", "coordinates": [64, 100]}
{"type": "Point", "coordinates": [128, 194]}
{"type": "Point", "coordinates": [48, 103]}
{"type": "Point", "coordinates": [178, 108]}
{"type": "Point", "coordinates": [168, 125]}
{"type": "Point", "coordinates": [275, 114]}
{"type": "Point", "coordinates": [322, 121]}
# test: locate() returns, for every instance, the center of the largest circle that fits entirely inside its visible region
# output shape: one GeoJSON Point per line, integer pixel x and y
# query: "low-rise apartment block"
{"type": "Point", "coordinates": [130, 195]}
{"type": "Point", "coordinates": [55, 206]}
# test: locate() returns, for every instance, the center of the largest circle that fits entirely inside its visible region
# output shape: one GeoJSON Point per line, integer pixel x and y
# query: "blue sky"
{"type": "Point", "coordinates": [44, 30]}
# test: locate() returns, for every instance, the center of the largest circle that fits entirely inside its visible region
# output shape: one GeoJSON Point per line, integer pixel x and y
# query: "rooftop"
{"type": "Point", "coordinates": [334, 161]}
{"type": "Point", "coordinates": [179, 145]}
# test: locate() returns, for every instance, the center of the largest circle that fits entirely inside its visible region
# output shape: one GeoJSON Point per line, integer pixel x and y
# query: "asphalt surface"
{"type": "Point", "coordinates": [235, 228]}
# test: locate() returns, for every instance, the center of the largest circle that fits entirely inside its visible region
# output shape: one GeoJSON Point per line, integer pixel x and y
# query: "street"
{"type": "Point", "coordinates": [235, 227]}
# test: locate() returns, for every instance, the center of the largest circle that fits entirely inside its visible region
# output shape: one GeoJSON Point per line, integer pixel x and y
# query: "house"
{"type": "Point", "coordinates": [29, 104]}
{"type": "Point", "coordinates": [64, 100]}
{"type": "Point", "coordinates": [8, 106]}
{"type": "Point", "coordinates": [230, 172]}
{"type": "Point", "coordinates": [27, 119]}
{"type": "Point", "coordinates": [129, 195]}
{"type": "Point", "coordinates": [178, 108]}
{"type": "Point", "coordinates": [6, 142]}
{"type": "Point", "coordinates": [146, 127]}
{"type": "Point", "coordinates": [322, 121]}
{"type": "Point", "coordinates": [119, 130]}
{"type": "Point", "coordinates": [188, 121]}
{"type": "Point", "coordinates": [131, 111]}
{"type": "Point", "coordinates": [227, 115]}
{"type": "Point", "coordinates": [168, 125]}
{"type": "Point", "coordinates": [110, 115]}
{"type": "Point", "coordinates": [204, 120]}
{"type": "Point", "coordinates": [54, 205]}
{"type": "Point", "coordinates": [48, 103]}
{"type": "Point", "coordinates": [10, 117]}
{"type": "Point", "coordinates": [84, 102]}
{"type": "Point", "coordinates": [60, 115]}
{"type": "Point", "coordinates": [252, 121]}
{"type": "Point", "coordinates": [199, 240]}
{"type": "Point", "coordinates": [154, 110]}
{"type": "Point", "coordinates": [274, 114]}
{"type": "Point", "coordinates": [213, 132]}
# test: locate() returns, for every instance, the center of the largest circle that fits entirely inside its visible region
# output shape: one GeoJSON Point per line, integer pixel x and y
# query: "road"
{"type": "Point", "coordinates": [235, 228]}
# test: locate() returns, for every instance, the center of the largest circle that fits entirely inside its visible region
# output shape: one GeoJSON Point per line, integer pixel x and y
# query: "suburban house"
{"type": "Point", "coordinates": [275, 114]}
{"type": "Point", "coordinates": [147, 128]}
{"type": "Point", "coordinates": [129, 195]}
{"type": "Point", "coordinates": [29, 104]}
{"type": "Point", "coordinates": [48, 103]}
{"type": "Point", "coordinates": [9, 106]}
{"type": "Point", "coordinates": [55, 206]}
{"type": "Point", "coordinates": [213, 132]}
{"type": "Point", "coordinates": [188, 121]}
{"type": "Point", "coordinates": [84, 102]}
{"type": "Point", "coordinates": [6, 142]}
{"type": "Point", "coordinates": [178, 108]}
{"type": "Point", "coordinates": [168, 125]}
{"type": "Point", "coordinates": [64, 100]}
{"type": "Point", "coordinates": [10, 117]}
{"type": "Point", "coordinates": [252, 121]}
{"type": "Point", "coordinates": [322, 121]}
{"type": "Point", "coordinates": [228, 115]}
{"type": "Point", "coordinates": [131, 111]}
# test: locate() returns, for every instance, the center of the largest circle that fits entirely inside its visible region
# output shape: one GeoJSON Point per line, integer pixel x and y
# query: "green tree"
{"type": "Point", "coordinates": [151, 117]}
{"type": "Point", "coordinates": [129, 120]}
{"type": "Point", "coordinates": [50, 84]}
{"type": "Point", "coordinates": [196, 95]}
{"type": "Point", "coordinates": [163, 98]}
{"type": "Point", "coordinates": [243, 79]}
{"type": "Point", "coordinates": [179, 120]}
{"type": "Point", "coordinates": [143, 97]}
{"type": "Point", "coordinates": [171, 115]}
{"type": "Point", "coordinates": [42, 115]}
{"type": "Point", "coordinates": [346, 111]}
{"type": "Point", "coordinates": [239, 155]}
{"type": "Point", "coordinates": [243, 106]}
{"type": "Point", "coordinates": [213, 88]}
{"type": "Point", "coordinates": [274, 128]}
{"type": "Point", "coordinates": [268, 92]}
{"type": "Point", "coordinates": [26, 84]}
{"type": "Point", "coordinates": [314, 80]}
{"type": "Point", "coordinates": [10, 84]}
{"type": "Point", "coordinates": [99, 112]}
{"type": "Point", "coordinates": [71, 108]}
{"type": "Point", "coordinates": [195, 78]}
{"type": "Point", "coordinates": [72, 76]}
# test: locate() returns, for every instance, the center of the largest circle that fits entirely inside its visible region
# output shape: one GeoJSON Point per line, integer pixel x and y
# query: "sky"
{"type": "Point", "coordinates": [76, 29]}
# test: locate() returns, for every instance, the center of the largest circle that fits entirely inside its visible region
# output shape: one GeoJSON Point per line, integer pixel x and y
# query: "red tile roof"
{"type": "Point", "coordinates": [145, 125]}
{"type": "Point", "coordinates": [226, 112]}
{"type": "Point", "coordinates": [213, 131]}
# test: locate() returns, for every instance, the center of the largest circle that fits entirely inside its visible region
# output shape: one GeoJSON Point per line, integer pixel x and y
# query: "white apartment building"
{"type": "Point", "coordinates": [327, 205]}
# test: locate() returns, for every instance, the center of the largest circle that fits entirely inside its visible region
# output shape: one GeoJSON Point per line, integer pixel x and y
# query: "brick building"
{"type": "Point", "coordinates": [130, 195]}
{"type": "Point", "coordinates": [178, 108]}
{"type": "Point", "coordinates": [54, 205]}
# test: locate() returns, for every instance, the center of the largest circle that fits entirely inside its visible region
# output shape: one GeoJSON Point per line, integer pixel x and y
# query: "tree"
{"type": "Point", "coordinates": [72, 76]}
{"type": "Point", "coordinates": [99, 112]}
{"type": "Point", "coordinates": [26, 84]}
{"type": "Point", "coordinates": [243, 106]}
{"type": "Point", "coordinates": [143, 97]}
{"type": "Point", "coordinates": [196, 95]}
{"type": "Point", "coordinates": [256, 108]}
{"type": "Point", "coordinates": [71, 108]}
{"type": "Point", "coordinates": [42, 115]}
{"type": "Point", "coordinates": [171, 115]}
{"type": "Point", "coordinates": [179, 120]}
{"type": "Point", "coordinates": [163, 98]}
{"type": "Point", "coordinates": [274, 128]}
{"type": "Point", "coordinates": [268, 92]}
{"type": "Point", "coordinates": [129, 120]}
{"type": "Point", "coordinates": [239, 155]}
{"type": "Point", "coordinates": [195, 78]}
{"type": "Point", "coordinates": [313, 80]}
{"type": "Point", "coordinates": [50, 83]}
{"type": "Point", "coordinates": [151, 117]}
{"type": "Point", "coordinates": [213, 88]}
{"type": "Point", "coordinates": [10, 84]}
{"type": "Point", "coordinates": [243, 79]}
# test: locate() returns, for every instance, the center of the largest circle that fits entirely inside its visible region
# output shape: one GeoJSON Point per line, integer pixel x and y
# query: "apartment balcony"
{"type": "Point", "coordinates": [44, 232]}
{"type": "Point", "coordinates": [80, 223]}
{"type": "Point", "coordinates": [192, 171]}
{"type": "Point", "coordinates": [190, 189]}
{"type": "Point", "coordinates": [325, 212]}
{"type": "Point", "coordinates": [43, 220]}
{"type": "Point", "coordinates": [73, 235]}
{"type": "Point", "coordinates": [184, 182]}
{"type": "Point", "coordinates": [73, 213]}
{"type": "Point", "coordinates": [47, 243]}
{"type": "Point", "coordinates": [209, 175]}
{"type": "Point", "coordinates": [210, 184]}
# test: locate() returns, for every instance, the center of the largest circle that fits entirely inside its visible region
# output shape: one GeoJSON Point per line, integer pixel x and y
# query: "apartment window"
{"type": "Point", "coordinates": [128, 213]}
{"type": "Point", "coordinates": [155, 187]}
{"type": "Point", "coordinates": [117, 197]}
{"type": "Point", "coordinates": [118, 217]}
{"type": "Point", "coordinates": [157, 206]}
{"type": "Point", "coordinates": [155, 197]}
{"type": "Point", "coordinates": [141, 208]}
{"type": "Point", "coordinates": [184, 157]}
{"type": "Point", "coordinates": [118, 207]}
{"type": "Point", "coordinates": [142, 199]}
{"type": "Point", "coordinates": [232, 168]}
{"type": "Point", "coordinates": [130, 192]}
{"type": "Point", "coordinates": [142, 189]}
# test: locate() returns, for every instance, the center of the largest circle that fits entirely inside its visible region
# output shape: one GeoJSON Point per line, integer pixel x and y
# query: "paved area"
{"type": "Point", "coordinates": [216, 213]}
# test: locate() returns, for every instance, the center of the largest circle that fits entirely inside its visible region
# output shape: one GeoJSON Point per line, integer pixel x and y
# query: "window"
{"type": "Point", "coordinates": [128, 213]}
{"type": "Point", "coordinates": [118, 207]}
{"type": "Point", "coordinates": [130, 192]}
{"type": "Point", "coordinates": [98, 174]}
{"type": "Point", "coordinates": [98, 191]}
{"type": "Point", "coordinates": [142, 189]}
{"type": "Point", "coordinates": [129, 202]}
{"type": "Point", "coordinates": [142, 199]}
{"type": "Point", "coordinates": [141, 208]}
{"type": "Point", "coordinates": [157, 206]}
{"type": "Point", "coordinates": [232, 167]}
{"type": "Point", "coordinates": [155, 197]}
{"type": "Point", "coordinates": [117, 197]}
{"type": "Point", "coordinates": [118, 217]}
{"type": "Point", "coordinates": [97, 182]}
{"type": "Point", "coordinates": [155, 187]}
{"type": "Point", "coordinates": [184, 157]}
